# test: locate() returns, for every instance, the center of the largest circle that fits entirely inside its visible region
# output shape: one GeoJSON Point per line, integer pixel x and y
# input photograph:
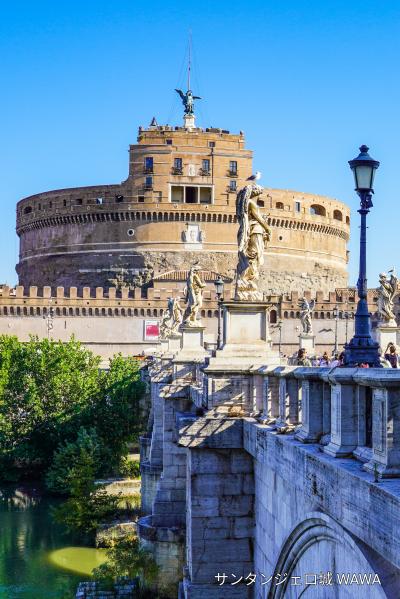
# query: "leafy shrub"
{"type": "Point", "coordinates": [129, 468]}
{"type": "Point", "coordinates": [125, 558]}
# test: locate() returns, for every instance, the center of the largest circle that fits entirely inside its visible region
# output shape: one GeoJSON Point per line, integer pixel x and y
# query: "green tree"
{"type": "Point", "coordinates": [73, 473]}
{"type": "Point", "coordinates": [127, 559]}
{"type": "Point", "coordinates": [75, 464]}
{"type": "Point", "coordinates": [118, 411]}
{"type": "Point", "coordinates": [44, 388]}
{"type": "Point", "coordinates": [49, 390]}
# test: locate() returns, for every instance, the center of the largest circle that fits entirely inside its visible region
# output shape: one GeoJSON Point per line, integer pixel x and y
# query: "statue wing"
{"type": "Point", "coordinates": [312, 304]}
{"type": "Point", "coordinates": [196, 97]}
{"type": "Point", "coordinates": [182, 95]}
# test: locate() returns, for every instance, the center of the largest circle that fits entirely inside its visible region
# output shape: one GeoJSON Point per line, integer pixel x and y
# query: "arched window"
{"type": "Point", "coordinates": [209, 314]}
{"type": "Point", "coordinates": [315, 315]}
{"type": "Point", "coordinates": [64, 311]}
{"type": "Point", "coordinates": [96, 312]}
{"type": "Point", "coordinates": [273, 317]}
{"type": "Point", "coordinates": [90, 311]}
{"type": "Point", "coordinates": [322, 315]}
{"type": "Point", "coordinates": [292, 314]}
{"type": "Point", "coordinates": [103, 311]}
{"type": "Point", "coordinates": [337, 215]}
{"type": "Point", "coordinates": [71, 311]}
{"type": "Point", "coordinates": [279, 206]}
{"type": "Point", "coordinates": [148, 312]}
{"type": "Point", "coordinates": [347, 220]}
{"type": "Point", "coordinates": [203, 313]}
{"type": "Point", "coordinates": [285, 315]}
{"type": "Point", "coordinates": [110, 312]}
{"type": "Point", "coordinates": [141, 312]}
{"type": "Point", "coordinates": [135, 312]}
{"type": "Point", "coordinates": [27, 209]}
{"type": "Point", "coordinates": [317, 210]}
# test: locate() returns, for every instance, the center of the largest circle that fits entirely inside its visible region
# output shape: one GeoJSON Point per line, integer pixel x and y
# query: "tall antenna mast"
{"type": "Point", "coordinates": [190, 58]}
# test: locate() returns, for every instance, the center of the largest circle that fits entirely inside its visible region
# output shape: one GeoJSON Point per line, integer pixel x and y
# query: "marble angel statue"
{"type": "Point", "coordinates": [386, 293]}
{"type": "Point", "coordinates": [194, 296]}
{"type": "Point", "coordinates": [306, 308]}
{"type": "Point", "coordinates": [252, 237]}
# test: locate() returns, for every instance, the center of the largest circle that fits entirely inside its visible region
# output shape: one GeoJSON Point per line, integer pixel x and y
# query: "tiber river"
{"type": "Point", "coordinates": [38, 559]}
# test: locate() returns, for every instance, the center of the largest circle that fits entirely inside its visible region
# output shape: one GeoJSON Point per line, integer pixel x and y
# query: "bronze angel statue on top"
{"type": "Point", "coordinates": [188, 100]}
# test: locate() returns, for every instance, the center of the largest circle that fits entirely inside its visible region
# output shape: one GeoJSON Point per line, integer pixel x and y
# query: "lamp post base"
{"type": "Point", "coordinates": [362, 350]}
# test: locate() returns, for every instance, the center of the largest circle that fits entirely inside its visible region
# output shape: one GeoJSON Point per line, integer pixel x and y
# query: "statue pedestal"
{"type": "Point", "coordinates": [246, 338]}
{"type": "Point", "coordinates": [164, 346]}
{"type": "Point", "coordinates": [188, 121]}
{"type": "Point", "coordinates": [234, 380]}
{"type": "Point", "coordinates": [191, 344]}
{"type": "Point", "coordinates": [174, 342]}
{"type": "Point", "coordinates": [384, 335]}
{"type": "Point", "coordinates": [307, 341]}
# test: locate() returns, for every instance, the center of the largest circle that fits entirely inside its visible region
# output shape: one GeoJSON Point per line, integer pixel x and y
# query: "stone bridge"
{"type": "Point", "coordinates": [264, 481]}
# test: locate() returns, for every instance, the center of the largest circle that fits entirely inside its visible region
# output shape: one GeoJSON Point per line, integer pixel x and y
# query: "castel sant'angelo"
{"type": "Point", "coordinates": [177, 206]}
{"type": "Point", "coordinates": [121, 250]}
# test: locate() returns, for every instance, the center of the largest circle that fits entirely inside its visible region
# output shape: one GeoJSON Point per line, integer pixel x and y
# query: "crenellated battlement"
{"type": "Point", "coordinates": [124, 301]}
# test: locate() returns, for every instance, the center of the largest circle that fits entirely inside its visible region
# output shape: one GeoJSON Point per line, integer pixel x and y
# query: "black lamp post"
{"type": "Point", "coordinates": [219, 290]}
{"type": "Point", "coordinates": [336, 317]}
{"type": "Point", "coordinates": [362, 348]}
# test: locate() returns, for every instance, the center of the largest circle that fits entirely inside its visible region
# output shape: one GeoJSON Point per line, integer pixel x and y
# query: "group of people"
{"type": "Point", "coordinates": [388, 359]}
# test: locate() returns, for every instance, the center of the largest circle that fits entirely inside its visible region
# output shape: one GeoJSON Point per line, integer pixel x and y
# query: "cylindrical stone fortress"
{"type": "Point", "coordinates": [177, 206]}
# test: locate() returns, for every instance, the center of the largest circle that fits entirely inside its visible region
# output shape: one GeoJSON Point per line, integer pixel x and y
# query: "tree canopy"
{"type": "Point", "coordinates": [50, 391]}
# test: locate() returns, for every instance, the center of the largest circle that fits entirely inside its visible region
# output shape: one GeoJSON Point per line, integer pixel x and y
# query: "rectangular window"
{"type": "Point", "coordinates": [178, 167]}
{"type": "Point", "coordinates": [233, 167]}
{"type": "Point", "coordinates": [297, 206]}
{"type": "Point", "coordinates": [176, 194]}
{"type": "Point", "coordinates": [232, 185]}
{"type": "Point", "coordinates": [211, 144]}
{"type": "Point", "coordinates": [168, 142]}
{"type": "Point", "coordinates": [98, 200]}
{"type": "Point", "coordinates": [141, 199]}
{"type": "Point", "coordinates": [205, 195]}
{"type": "Point", "coordinates": [149, 183]}
{"type": "Point", "coordinates": [191, 195]}
{"type": "Point", "coordinates": [206, 166]}
{"type": "Point", "coordinates": [119, 198]}
{"type": "Point", "coordinates": [148, 164]}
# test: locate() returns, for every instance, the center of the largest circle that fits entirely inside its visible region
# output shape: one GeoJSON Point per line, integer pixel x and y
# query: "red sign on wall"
{"type": "Point", "coordinates": [151, 330]}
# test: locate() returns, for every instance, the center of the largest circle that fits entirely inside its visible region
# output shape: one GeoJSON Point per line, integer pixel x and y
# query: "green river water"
{"type": "Point", "coordinates": [38, 559]}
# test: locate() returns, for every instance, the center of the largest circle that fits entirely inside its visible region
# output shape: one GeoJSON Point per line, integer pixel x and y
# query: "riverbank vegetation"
{"type": "Point", "coordinates": [67, 423]}
{"type": "Point", "coordinates": [56, 404]}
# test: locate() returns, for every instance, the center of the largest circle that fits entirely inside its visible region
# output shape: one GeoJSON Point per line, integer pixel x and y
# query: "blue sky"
{"type": "Point", "coordinates": [308, 82]}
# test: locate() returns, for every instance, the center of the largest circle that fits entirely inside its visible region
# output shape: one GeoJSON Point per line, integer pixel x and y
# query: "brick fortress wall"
{"type": "Point", "coordinates": [109, 320]}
